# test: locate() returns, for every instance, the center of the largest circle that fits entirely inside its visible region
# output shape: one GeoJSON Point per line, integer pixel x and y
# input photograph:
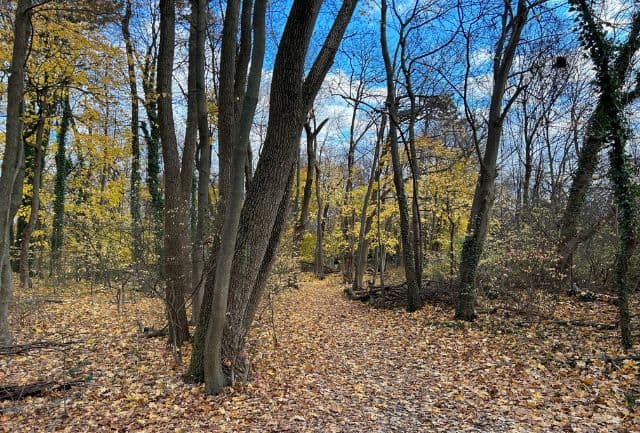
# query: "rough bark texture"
{"type": "Point", "coordinates": [12, 163]}
{"type": "Point", "coordinates": [214, 376]}
{"type": "Point", "coordinates": [485, 187]}
{"type": "Point", "coordinates": [268, 196]}
{"type": "Point", "coordinates": [177, 186]}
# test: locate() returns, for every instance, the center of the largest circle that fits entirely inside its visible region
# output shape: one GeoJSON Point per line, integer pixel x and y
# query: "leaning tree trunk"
{"type": "Point", "coordinates": [12, 162]}
{"type": "Point", "coordinates": [587, 164]}
{"type": "Point", "coordinates": [267, 199]}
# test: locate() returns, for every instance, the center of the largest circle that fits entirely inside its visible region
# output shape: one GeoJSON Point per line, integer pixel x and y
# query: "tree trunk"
{"type": "Point", "coordinates": [39, 146]}
{"type": "Point", "coordinates": [176, 210]}
{"type": "Point", "coordinates": [12, 162]}
{"type": "Point", "coordinates": [134, 196]}
{"type": "Point", "coordinates": [214, 376]}
{"type": "Point", "coordinates": [587, 165]}
{"type": "Point", "coordinates": [361, 253]}
{"type": "Point", "coordinates": [152, 139]}
{"type": "Point", "coordinates": [60, 186]}
{"type": "Point", "coordinates": [485, 188]}
{"type": "Point", "coordinates": [204, 158]}
{"type": "Point", "coordinates": [268, 196]}
{"type": "Point", "coordinates": [321, 214]}
{"type": "Point", "coordinates": [311, 136]}
{"type": "Point", "coordinates": [413, 284]}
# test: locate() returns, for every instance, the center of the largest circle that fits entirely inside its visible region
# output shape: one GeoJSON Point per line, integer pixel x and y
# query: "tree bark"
{"type": "Point", "coordinates": [268, 196]}
{"type": "Point", "coordinates": [204, 158]}
{"type": "Point", "coordinates": [25, 243]}
{"type": "Point", "coordinates": [485, 188]}
{"type": "Point", "coordinates": [177, 185]}
{"type": "Point", "coordinates": [413, 284]}
{"type": "Point", "coordinates": [134, 195]}
{"type": "Point", "coordinates": [12, 162]}
{"type": "Point", "coordinates": [214, 376]}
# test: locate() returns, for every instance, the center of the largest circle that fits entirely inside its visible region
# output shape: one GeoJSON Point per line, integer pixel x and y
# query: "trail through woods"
{"type": "Point", "coordinates": [339, 366]}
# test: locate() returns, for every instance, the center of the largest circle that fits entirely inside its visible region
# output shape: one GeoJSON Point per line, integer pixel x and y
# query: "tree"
{"type": "Point", "coordinates": [267, 198]}
{"type": "Point", "coordinates": [413, 279]}
{"type": "Point", "coordinates": [512, 25]}
{"type": "Point", "coordinates": [134, 195]}
{"type": "Point", "coordinates": [178, 174]}
{"type": "Point", "coordinates": [618, 56]}
{"type": "Point", "coordinates": [13, 161]}
{"type": "Point", "coordinates": [38, 145]}
{"type": "Point", "coordinates": [609, 125]}
{"type": "Point", "coordinates": [214, 376]}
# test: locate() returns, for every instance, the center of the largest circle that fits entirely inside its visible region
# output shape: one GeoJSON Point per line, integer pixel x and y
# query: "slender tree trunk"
{"type": "Point", "coordinates": [413, 284]}
{"type": "Point", "coordinates": [485, 187]}
{"type": "Point", "coordinates": [321, 213]}
{"type": "Point", "coordinates": [361, 254]}
{"type": "Point", "coordinates": [312, 138]}
{"type": "Point", "coordinates": [60, 186]}
{"type": "Point", "coordinates": [204, 160]}
{"type": "Point", "coordinates": [152, 139]}
{"type": "Point", "coordinates": [134, 196]}
{"type": "Point", "coordinates": [176, 210]}
{"type": "Point", "coordinates": [12, 162]}
{"type": "Point", "coordinates": [39, 146]}
{"type": "Point", "coordinates": [214, 376]}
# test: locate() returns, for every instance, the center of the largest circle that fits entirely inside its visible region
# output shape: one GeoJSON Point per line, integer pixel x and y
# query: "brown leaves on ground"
{"type": "Point", "coordinates": [339, 366]}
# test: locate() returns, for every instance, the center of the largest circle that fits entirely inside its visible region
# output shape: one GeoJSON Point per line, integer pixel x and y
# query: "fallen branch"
{"type": "Point", "coordinates": [22, 348]}
{"type": "Point", "coordinates": [17, 392]}
{"type": "Point", "coordinates": [621, 359]}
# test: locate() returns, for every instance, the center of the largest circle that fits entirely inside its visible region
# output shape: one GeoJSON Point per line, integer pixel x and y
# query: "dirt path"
{"type": "Point", "coordinates": [339, 366]}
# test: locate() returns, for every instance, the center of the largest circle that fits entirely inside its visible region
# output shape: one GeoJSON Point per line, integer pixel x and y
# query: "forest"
{"type": "Point", "coordinates": [319, 216]}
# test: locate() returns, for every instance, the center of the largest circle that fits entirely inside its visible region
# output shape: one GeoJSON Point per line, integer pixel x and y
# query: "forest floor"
{"type": "Point", "coordinates": [324, 364]}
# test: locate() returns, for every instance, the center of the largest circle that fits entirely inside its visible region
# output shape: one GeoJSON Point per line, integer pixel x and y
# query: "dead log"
{"type": "Point", "coordinates": [17, 392]}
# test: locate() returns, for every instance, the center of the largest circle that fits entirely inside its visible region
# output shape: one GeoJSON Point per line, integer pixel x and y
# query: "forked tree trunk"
{"type": "Point", "coordinates": [413, 284]}
{"type": "Point", "coordinates": [267, 201]}
{"type": "Point", "coordinates": [485, 187]}
{"type": "Point", "coordinates": [214, 376]}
